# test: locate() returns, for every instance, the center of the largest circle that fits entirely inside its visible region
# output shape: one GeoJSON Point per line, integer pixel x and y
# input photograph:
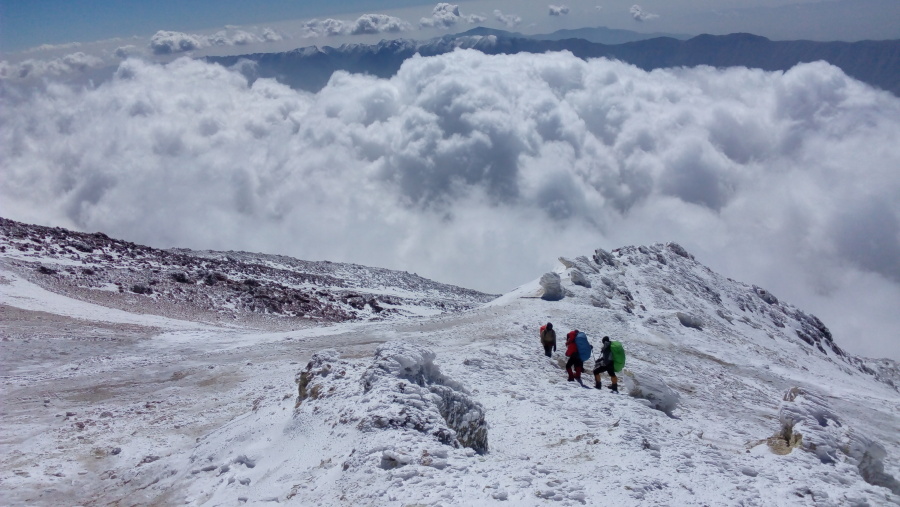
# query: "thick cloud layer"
{"type": "Point", "coordinates": [480, 170]}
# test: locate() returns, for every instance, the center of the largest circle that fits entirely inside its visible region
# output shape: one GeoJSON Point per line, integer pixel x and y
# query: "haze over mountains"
{"type": "Point", "coordinates": [874, 62]}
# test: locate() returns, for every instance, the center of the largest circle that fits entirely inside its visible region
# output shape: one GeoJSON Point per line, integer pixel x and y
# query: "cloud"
{"type": "Point", "coordinates": [453, 170]}
{"type": "Point", "coordinates": [126, 51]}
{"type": "Point", "coordinates": [558, 10]}
{"type": "Point", "coordinates": [38, 68]}
{"type": "Point", "coordinates": [324, 28]}
{"type": "Point", "coordinates": [510, 20]}
{"type": "Point", "coordinates": [168, 43]}
{"type": "Point", "coordinates": [165, 42]}
{"type": "Point", "coordinates": [52, 47]}
{"type": "Point", "coordinates": [379, 23]}
{"type": "Point", "coordinates": [638, 14]}
{"type": "Point", "coordinates": [446, 15]}
{"type": "Point", "coordinates": [365, 24]}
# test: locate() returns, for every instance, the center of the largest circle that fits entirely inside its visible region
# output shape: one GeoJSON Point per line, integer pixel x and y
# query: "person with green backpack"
{"type": "Point", "coordinates": [612, 359]}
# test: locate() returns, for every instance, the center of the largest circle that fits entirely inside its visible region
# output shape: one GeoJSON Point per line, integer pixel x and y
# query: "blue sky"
{"type": "Point", "coordinates": [31, 23]}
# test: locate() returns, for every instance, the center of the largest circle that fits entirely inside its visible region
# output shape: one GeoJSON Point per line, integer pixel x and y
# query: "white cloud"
{"type": "Point", "coordinates": [365, 24]}
{"type": "Point", "coordinates": [165, 42]}
{"type": "Point", "coordinates": [126, 51]}
{"type": "Point", "coordinates": [271, 35]}
{"type": "Point", "coordinates": [379, 23]}
{"type": "Point", "coordinates": [558, 10]}
{"type": "Point", "coordinates": [324, 28]}
{"type": "Point", "coordinates": [453, 170]}
{"type": "Point", "coordinates": [639, 14]}
{"type": "Point", "coordinates": [510, 20]}
{"type": "Point", "coordinates": [446, 15]}
{"type": "Point", "coordinates": [38, 68]}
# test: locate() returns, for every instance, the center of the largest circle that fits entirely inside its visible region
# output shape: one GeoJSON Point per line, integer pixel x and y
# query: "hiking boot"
{"type": "Point", "coordinates": [614, 388]}
{"type": "Point", "coordinates": [571, 379]}
{"type": "Point", "coordinates": [598, 386]}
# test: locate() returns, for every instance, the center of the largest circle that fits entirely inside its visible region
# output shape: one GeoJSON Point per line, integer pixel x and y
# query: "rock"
{"type": "Point", "coordinates": [424, 399]}
{"type": "Point", "coordinates": [44, 270]}
{"type": "Point", "coordinates": [765, 295]}
{"type": "Point", "coordinates": [578, 278]}
{"type": "Point", "coordinates": [568, 263]}
{"type": "Point", "coordinates": [679, 250]}
{"type": "Point", "coordinates": [81, 246]}
{"type": "Point", "coordinates": [653, 390]}
{"type": "Point", "coordinates": [552, 286]}
{"type": "Point", "coordinates": [600, 301]}
{"type": "Point", "coordinates": [141, 289]}
{"type": "Point", "coordinates": [602, 257]}
{"type": "Point", "coordinates": [688, 320]}
{"type": "Point", "coordinates": [148, 459]}
{"type": "Point", "coordinates": [180, 277]}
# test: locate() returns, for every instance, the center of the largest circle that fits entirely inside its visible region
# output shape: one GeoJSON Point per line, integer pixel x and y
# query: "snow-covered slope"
{"type": "Point", "coordinates": [729, 397]}
{"type": "Point", "coordinates": [218, 287]}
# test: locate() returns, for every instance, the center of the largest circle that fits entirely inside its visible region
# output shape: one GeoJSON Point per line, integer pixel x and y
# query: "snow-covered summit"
{"type": "Point", "coordinates": [662, 289]}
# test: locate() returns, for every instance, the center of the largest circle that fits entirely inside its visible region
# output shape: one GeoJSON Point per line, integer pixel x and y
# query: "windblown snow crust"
{"type": "Point", "coordinates": [403, 390]}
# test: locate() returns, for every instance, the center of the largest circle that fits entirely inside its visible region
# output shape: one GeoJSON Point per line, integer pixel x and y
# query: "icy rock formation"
{"type": "Point", "coordinates": [600, 301]}
{"type": "Point", "coordinates": [580, 263]}
{"type": "Point", "coordinates": [808, 422]}
{"type": "Point", "coordinates": [602, 257]}
{"type": "Point", "coordinates": [679, 250]}
{"type": "Point", "coordinates": [765, 295]}
{"type": "Point", "coordinates": [552, 287]}
{"type": "Point", "coordinates": [688, 320]}
{"type": "Point", "coordinates": [310, 381]}
{"type": "Point", "coordinates": [424, 399]}
{"type": "Point", "coordinates": [653, 390]}
{"type": "Point", "coordinates": [578, 278]}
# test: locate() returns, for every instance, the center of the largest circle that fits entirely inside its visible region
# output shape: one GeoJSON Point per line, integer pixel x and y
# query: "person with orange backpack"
{"type": "Point", "coordinates": [548, 339]}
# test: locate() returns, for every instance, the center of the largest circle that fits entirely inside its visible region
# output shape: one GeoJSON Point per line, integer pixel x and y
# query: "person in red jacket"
{"type": "Point", "coordinates": [574, 366]}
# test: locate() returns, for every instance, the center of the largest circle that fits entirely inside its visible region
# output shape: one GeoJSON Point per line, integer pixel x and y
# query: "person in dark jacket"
{"type": "Point", "coordinates": [548, 339]}
{"type": "Point", "coordinates": [605, 364]}
{"type": "Point", "coordinates": [574, 366]}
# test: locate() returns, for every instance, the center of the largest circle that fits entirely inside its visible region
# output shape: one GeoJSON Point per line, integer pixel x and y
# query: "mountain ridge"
{"type": "Point", "coordinates": [876, 63]}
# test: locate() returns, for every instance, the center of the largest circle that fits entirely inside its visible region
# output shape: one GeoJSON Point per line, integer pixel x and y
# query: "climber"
{"type": "Point", "coordinates": [577, 349]}
{"type": "Point", "coordinates": [548, 339]}
{"type": "Point", "coordinates": [611, 360]}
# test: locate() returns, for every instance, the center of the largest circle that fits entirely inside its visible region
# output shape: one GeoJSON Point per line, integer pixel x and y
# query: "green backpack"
{"type": "Point", "coordinates": [618, 355]}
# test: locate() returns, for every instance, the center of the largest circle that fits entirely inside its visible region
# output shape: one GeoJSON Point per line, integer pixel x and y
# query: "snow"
{"type": "Point", "coordinates": [18, 292]}
{"type": "Point", "coordinates": [459, 408]}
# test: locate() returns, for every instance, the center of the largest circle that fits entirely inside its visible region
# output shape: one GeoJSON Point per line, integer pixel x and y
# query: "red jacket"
{"type": "Point", "coordinates": [571, 348]}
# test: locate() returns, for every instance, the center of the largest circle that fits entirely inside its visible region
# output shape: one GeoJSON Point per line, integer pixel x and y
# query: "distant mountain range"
{"type": "Point", "coordinates": [599, 34]}
{"type": "Point", "coordinates": [874, 62]}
